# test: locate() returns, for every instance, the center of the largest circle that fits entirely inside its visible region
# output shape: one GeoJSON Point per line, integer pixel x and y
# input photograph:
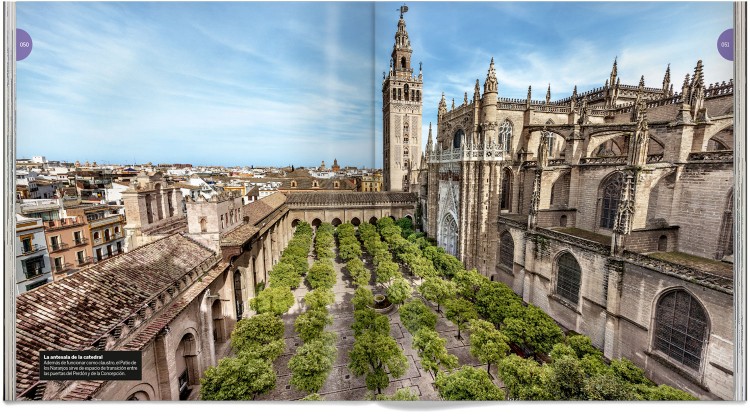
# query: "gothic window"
{"type": "Point", "coordinates": [449, 235]}
{"type": "Point", "coordinates": [568, 277]}
{"type": "Point", "coordinates": [610, 201]}
{"type": "Point", "coordinates": [506, 250]}
{"type": "Point", "coordinates": [506, 190]}
{"type": "Point", "coordinates": [418, 98]}
{"type": "Point", "coordinates": [294, 184]}
{"type": "Point", "coordinates": [680, 328]}
{"type": "Point", "coordinates": [506, 133]}
{"type": "Point", "coordinates": [563, 221]}
{"type": "Point", "coordinates": [403, 62]}
{"type": "Point", "coordinates": [394, 93]}
{"type": "Point", "coordinates": [458, 138]}
{"type": "Point", "coordinates": [406, 91]}
{"type": "Point", "coordinates": [726, 233]}
{"type": "Point", "coordinates": [315, 184]}
{"type": "Point", "coordinates": [399, 93]}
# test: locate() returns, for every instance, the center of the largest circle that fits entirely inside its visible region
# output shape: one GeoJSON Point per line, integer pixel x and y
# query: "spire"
{"type": "Point", "coordinates": [401, 54]}
{"type": "Point", "coordinates": [453, 104]}
{"type": "Point", "coordinates": [490, 84]}
{"type": "Point", "coordinates": [547, 97]}
{"type": "Point", "coordinates": [642, 83]}
{"type": "Point", "coordinates": [613, 74]}
{"type": "Point", "coordinates": [574, 99]}
{"type": "Point", "coordinates": [698, 75]}
{"type": "Point", "coordinates": [442, 108]}
{"type": "Point", "coordinates": [466, 98]}
{"type": "Point", "coordinates": [429, 139]}
{"type": "Point", "coordinates": [476, 92]}
{"type": "Point", "coordinates": [665, 82]}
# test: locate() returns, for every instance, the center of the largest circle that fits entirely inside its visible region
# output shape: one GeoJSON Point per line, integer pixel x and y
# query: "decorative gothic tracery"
{"type": "Point", "coordinates": [612, 192]}
{"type": "Point", "coordinates": [568, 278]}
{"type": "Point", "coordinates": [449, 235]}
{"type": "Point", "coordinates": [680, 328]}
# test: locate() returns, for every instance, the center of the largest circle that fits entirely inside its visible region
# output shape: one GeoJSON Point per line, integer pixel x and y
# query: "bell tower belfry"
{"type": "Point", "coordinates": [402, 114]}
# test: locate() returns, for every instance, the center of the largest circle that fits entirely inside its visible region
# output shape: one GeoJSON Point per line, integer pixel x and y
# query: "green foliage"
{"type": "Point", "coordinates": [383, 223]}
{"type": "Point", "coordinates": [423, 268]}
{"type": "Point", "coordinates": [311, 365]}
{"type": "Point", "coordinates": [315, 397]}
{"type": "Point", "coordinates": [369, 320]}
{"type": "Point", "coordinates": [363, 298]}
{"type": "Point", "coordinates": [322, 274]}
{"type": "Point", "coordinates": [260, 335]}
{"type": "Point", "coordinates": [402, 395]}
{"type": "Point", "coordinates": [533, 328]}
{"type": "Point", "coordinates": [406, 225]}
{"type": "Point", "coordinates": [415, 315]}
{"type": "Point", "coordinates": [358, 272]}
{"type": "Point", "coordinates": [487, 343]}
{"type": "Point", "coordinates": [375, 355]}
{"type": "Point", "coordinates": [567, 379]}
{"type": "Point", "coordinates": [437, 290]}
{"type": "Point", "coordinates": [562, 350]}
{"type": "Point", "coordinates": [524, 379]}
{"type": "Point", "coordinates": [467, 383]}
{"type": "Point", "coordinates": [431, 350]}
{"type": "Point", "coordinates": [496, 301]}
{"type": "Point", "coordinates": [399, 291]}
{"type": "Point", "coordinates": [319, 298]}
{"type": "Point", "coordinates": [284, 274]}
{"type": "Point", "coordinates": [386, 271]}
{"type": "Point", "coordinates": [460, 312]}
{"type": "Point", "coordinates": [310, 324]}
{"type": "Point", "coordinates": [275, 300]}
{"type": "Point", "coordinates": [608, 387]}
{"type": "Point", "coordinates": [582, 346]}
{"type": "Point", "coordinates": [624, 369]}
{"type": "Point", "coordinates": [238, 378]}
{"type": "Point", "coordinates": [468, 283]}
{"type": "Point", "coordinates": [662, 392]}
{"type": "Point", "coordinates": [349, 250]}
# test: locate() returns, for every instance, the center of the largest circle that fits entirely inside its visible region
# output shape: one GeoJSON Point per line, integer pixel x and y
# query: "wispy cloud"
{"type": "Point", "coordinates": [270, 83]}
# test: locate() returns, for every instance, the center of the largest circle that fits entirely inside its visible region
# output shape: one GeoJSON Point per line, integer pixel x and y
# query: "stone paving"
{"type": "Point", "coordinates": [341, 383]}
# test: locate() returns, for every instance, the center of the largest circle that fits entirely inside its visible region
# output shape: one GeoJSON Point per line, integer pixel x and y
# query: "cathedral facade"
{"type": "Point", "coordinates": [611, 209]}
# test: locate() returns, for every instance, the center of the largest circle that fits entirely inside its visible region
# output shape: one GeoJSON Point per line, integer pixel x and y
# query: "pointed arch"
{"type": "Point", "coordinates": [568, 284]}
{"type": "Point", "coordinates": [726, 233]}
{"type": "Point", "coordinates": [458, 138]}
{"type": "Point", "coordinates": [680, 327]}
{"type": "Point", "coordinates": [610, 192]}
{"type": "Point", "coordinates": [506, 189]}
{"type": "Point", "coordinates": [507, 250]}
{"type": "Point", "coordinates": [505, 136]}
{"type": "Point", "coordinates": [448, 234]}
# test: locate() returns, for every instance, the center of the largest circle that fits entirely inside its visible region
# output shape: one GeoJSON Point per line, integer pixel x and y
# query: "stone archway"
{"type": "Point", "coordinates": [355, 222]}
{"type": "Point", "coordinates": [217, 315]}
{"type": "Point", "coordinates": [373, 220]}
{"type": "Point", "coordinates": [336, 222]}
{"type": "Point", "coordinates": [316, 223]}
{"type": "Point", "coordinates": [186, 365]}
{"type": "Point", "coordinates": [295, 222]}
{"type": "Point", "coordinates": [448, 234]}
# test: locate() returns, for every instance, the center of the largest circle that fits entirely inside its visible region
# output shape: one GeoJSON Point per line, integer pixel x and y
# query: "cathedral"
{"type": "Point", "coordinates": [611, 209]}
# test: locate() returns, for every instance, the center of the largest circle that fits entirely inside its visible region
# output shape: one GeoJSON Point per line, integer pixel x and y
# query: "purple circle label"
{"type": "Point", "coordinates": [725, 44]}
{"type": "Point", "coordinates": [23, 44]}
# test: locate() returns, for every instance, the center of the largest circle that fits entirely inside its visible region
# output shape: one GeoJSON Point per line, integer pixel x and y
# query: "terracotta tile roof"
{"type": "Point", "coordinates": [73, 312]}
{"type": "Point", "coordinates": [357, 198]}
{"type": "Point", "coordinates": [256, 211]}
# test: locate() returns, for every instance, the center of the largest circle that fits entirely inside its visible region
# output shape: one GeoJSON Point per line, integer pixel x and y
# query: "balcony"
{"type": "Point", "coordinates": [101, 222]}
{"type": "Point", "coordinates": [59, 268]}
{"type": "Point", "coordinates": [63, 223]}
{"type": "Point", "coordinates": [31, 249]}
{"type": "Point", "coordinates": [84, 261]}
{"type": "Point", "coordinates": [34, 272]}
{"type": "Point", "coordinates": [80, 241]}
{"type": "Point", "coordinates": [58, 247]}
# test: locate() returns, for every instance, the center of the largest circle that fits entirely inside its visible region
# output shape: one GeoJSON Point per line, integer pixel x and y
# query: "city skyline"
{"type": "Point", "coordinates": [183, 90]}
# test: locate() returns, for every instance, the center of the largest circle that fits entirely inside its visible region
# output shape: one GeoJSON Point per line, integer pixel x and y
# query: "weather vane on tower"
{"type": "Point", "coordinates": [403, 9]}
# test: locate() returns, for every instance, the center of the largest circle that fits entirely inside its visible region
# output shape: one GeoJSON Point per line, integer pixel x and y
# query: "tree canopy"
{"type": "Point", "coordinates": [375, 356]}
{"type": "Point", "coordinates": [467, 383]}
{"type": "Point", "coordinates": [238, 378]}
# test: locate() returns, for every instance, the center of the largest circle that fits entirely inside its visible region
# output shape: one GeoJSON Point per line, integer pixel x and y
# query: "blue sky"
{"type": "Point", "coordinates": [296, 83]}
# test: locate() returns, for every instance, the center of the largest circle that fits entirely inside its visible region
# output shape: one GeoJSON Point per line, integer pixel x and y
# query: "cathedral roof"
{"type": "Point", "coordinates": [74, 312]}
{"type": "Point", "coordinates": [256, 212]}
{"type": "Point", "coordinates": [359, 198]}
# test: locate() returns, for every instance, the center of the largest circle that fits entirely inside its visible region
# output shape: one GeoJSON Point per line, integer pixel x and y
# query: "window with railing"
{"type": "Point", "coordinates": [680, 330]}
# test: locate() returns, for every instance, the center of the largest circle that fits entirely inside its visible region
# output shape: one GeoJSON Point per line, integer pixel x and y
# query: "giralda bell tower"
{"type": "Point", "coordinates": [402, 115]}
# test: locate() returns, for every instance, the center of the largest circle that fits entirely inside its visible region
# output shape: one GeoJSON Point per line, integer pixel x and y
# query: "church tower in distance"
{"type": "Point", "coordinates": [402, 115]}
